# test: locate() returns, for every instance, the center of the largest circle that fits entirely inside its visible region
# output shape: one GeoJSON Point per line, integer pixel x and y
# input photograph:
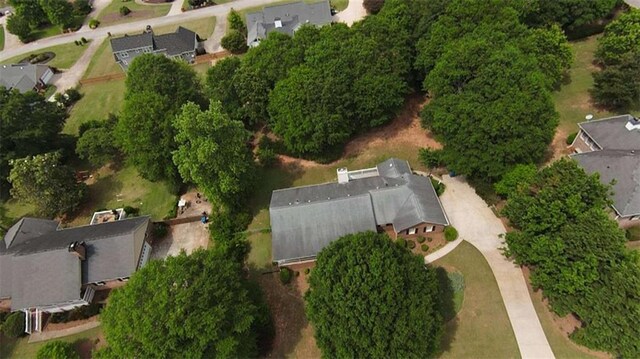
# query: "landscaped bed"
{"type": "Point", "coordinates": [65, 55]}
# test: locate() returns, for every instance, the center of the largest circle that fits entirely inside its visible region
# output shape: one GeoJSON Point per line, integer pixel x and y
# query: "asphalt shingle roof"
{"type": "Point", "coordinates": [130, 42]}
{"type": "Point", "coordinates": [306, 219]}
{"type": "Point", "coordinates": [610, 133]}
{"type": "Point", "coordinates": [175, 43]}
{"type": "Point", "coordinates": [22, 77]}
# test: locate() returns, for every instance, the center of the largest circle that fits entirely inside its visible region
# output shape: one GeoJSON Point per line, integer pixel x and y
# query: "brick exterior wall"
{"type": "Point", "coordinates": [627, 222]}
{"type": "Point", "coordinates": [580, 145]}
{"type": "Point", "coordinates": [420, 231]}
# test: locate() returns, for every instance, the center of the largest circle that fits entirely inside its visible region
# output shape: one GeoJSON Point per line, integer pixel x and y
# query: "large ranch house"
{"type": "Point", "coordinates": [387, 198]}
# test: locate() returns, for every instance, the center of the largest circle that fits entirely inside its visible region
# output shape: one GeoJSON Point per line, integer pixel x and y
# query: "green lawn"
{"type": "Point", "coordinates": [66, 55]}
{"type": "Point", "coordinates": [339, 5]}
{"type": "Point", "coordinates": [97, 101]}
{"type": "Point", "coordinates": [102, 63]}
{"type": "Point", "coordinates": [202, 27]}
{"type": "Point", "coordinates": [1, 37]}
{"type": "Point", "coordinates": [185, 3]}
{"type": "Point", "coordinates": [573, 101]}
{"type": "Point", "coordinates": [111, 14]}
{"type": "Point", "coordinates": [482, 328]}
{"type": "Point", "coordinates": [20, 348]}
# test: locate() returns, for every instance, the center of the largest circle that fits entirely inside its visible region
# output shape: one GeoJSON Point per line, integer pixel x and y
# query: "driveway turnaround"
{"type": "Point", "coordinates": [477, 224]}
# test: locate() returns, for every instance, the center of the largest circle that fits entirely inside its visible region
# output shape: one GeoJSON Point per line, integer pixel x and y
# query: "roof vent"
{"type": "Point", "coordinates": [78, 249]}
{"type": "Point", "coordinates": [278, 24]}
{"type": "Point", "coordinates": [343, 175]}
{"type": "Point", "coordinates": [633, 124]}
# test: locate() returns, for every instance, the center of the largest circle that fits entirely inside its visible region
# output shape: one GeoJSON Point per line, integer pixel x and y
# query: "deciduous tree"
{"type": "Point", "coordinates": [19, 26]}
{"type": "Point", "coordinates": [235, 42]}
{"type": "Point", "coordinates": [57, 349]}
{"type": "Point", "coordinates": [196, 306]}
{"type": "Point", "coordinates": [354, 306]}
{"type": "Point", "coordinates": [97, 145]}
{"type": "Point", "coordinates": [212, 152]}
{"type": "Point", "coordinates": [46, 183]}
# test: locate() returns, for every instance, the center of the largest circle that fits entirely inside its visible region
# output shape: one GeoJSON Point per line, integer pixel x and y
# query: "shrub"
{"type": "Point", "coordinates": [518, 177]}
{"type": "Point", "coordinates": [450, 234]}
{"type": "Point", "coordinates": [81, 7]}
{"type": "Point", "coordinates": [431, 158]}
{"type": "Point", "coordinates": [57, 350]}
{"type": "Point", "coordinates": [373, 6]}
{"type": "Point", "coordinates": [571, 138]}
{"type": "Point", "coordinates": [266, 156]}
{"type": "Point", "coordinates": [420, 239]}
{"type": "Point", "coordinates": [13, 326]}
{"type": "Point", "coordinates": [235, 42]}
{"type": "Point", "coordinates": [60, 317]}
{"type": "Point", "coordinates": [173, 213]}
{"type": "Point", "coordinates": [84, 40]}
{"type": "Point", "coordinates": [235, 21]}
{"type": "Point", "coordinates": [78, 43]}
{"type": "Point", "coordinates": [411, 244]}
{"type": "Point", "coordinates": [438, 186]}
{"type": "Point", "coordinates": [224, 225]}
{"type": "Point", "coordinates": [124, 11]}
{"type": "Point", "coordinates": [285, 275]}
{"type": "Point", "coordinates": [84, 312]}
{"type": "Point", "coordinates": [72, 95]}
{"type": "Point", "coordinates": [429, 239]}
{"type": "Point", "coordinates": [94, 23]}
{"type": "Point", "coordinates": [401, 242]}
{"type": "Point", "coordinates": [131, 211]}
{"type": "Point", "coordinates": [307, 271]}
{"type": "Point", "coordinates": [160, 230]}
{"type": "Point", "coordinates": [424, 247]}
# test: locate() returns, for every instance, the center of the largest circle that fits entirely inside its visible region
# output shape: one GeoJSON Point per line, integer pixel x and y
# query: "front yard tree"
{"type": "Point", "coordinates": [235, 42]}
{"type": "Point", "coordinates": [59, 12]}
{"type": "Point", "coordinates": [187, 306]}
{"type": "Point", "coordinates": [57, 349]}
{"type": "Point", "coordinates": [46, 183]}
{"type": "Point", "coordinates": [97, 145]}
{"type": "Point", "coordinates": [19, 26]}
{"type": "Point", "coordinates": [371, 298]}
{"type": "Point", "coordinates": [212, 152]}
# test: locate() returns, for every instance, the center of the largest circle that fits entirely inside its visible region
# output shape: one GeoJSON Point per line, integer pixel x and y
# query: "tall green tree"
{"type": "Point", "coordinates": [59, 12]}
{"type": "Point", "coordinates": [46, 183]}
{"type": "Point", "coordinates": [570, 14]}
{"type": "Point", "coordinates": [202, 302]}
{"type": "Point", "coordinates": [220, 86]}
{"type": "Point", "coordinates": [620, 38]}
{"type": "Point", "coordinates": [29, 125]}
{"type": "Point", "coordinates": [97, 144]}
{"type": "Point", "coordinates": [213, 153]}
{"type": "Point", "coordinates": [354, 306]}
{"type": "Point", "coordinates": [19, 26]}
{"type": "Point", "coordinates": [29, 10]}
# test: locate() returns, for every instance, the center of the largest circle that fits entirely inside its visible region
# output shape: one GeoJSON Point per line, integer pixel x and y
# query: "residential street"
{"type": "Point", "coordinates": [477, 224]}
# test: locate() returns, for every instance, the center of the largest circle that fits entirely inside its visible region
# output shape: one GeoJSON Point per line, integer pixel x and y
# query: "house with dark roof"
{"type": "Point", "coordinates": [179, 45]}
{"type": "Point", "coordinates": [386, 198]}
{"type": "Point", "coordinates": [25, 77]}
{"type": "Point", "coordinates": [285, 18]}
{"type": "Point", "coordinates": [611, 147]}
{"type": "Point", "coordinates": [48, 269]}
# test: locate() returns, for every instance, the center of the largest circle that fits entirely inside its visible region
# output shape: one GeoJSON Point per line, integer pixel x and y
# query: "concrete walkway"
{"type": "Point", "coordinates": [39, 337]}
{"type": "Point", "coordinates": [71, 77]}
{"type": "Point", "coordinates": [176, 7]}
{"type": "Point", "coordinates": [477, 224]}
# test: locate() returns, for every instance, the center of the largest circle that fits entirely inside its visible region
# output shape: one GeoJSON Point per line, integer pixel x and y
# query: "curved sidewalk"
{"type": "Point", "coordinates": [477, 224]}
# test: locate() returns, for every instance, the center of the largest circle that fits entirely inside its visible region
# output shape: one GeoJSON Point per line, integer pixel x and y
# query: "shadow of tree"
{"type": "Point", "coordinates": [447, 308]}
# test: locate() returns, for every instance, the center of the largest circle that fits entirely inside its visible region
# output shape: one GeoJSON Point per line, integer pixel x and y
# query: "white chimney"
{"type": "Point", "coordinates": [343, 175]}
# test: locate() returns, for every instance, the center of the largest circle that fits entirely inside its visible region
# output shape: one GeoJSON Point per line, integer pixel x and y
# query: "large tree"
{"type": "Point", "coordinates": [371, 298]}
{"type": "Point", "coordinates": [46, 183]}
{"type": "Point", "coordinates": [19, 26]}
{"type": "Point", "coordinates": [59, 12]}
{"type": "Point", "coordinates": [156, 88]}
{"type": "Point", "coordinates": [620, 38]}
{"type": "Point", "coordinates": [213, 153]}
{"type": "Point", "coordinates": [570, 14]}
{"type": "Point", "coordinates": [29, 125]}
{"type": "Point", "coordinates": [193, 306]}
{"type": "Point", "coordinates": [577, 255]}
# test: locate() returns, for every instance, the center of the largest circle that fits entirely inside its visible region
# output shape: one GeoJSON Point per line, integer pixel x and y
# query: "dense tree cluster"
{"type": "Point", "coordinates": [617, 85]}
{"type": "Point", "coordinates": [156, 89]}
{"type": "Point", "coordinates": [43, 181]}
{"type": "Point", "coordinates": [371, 298]}
{"type": "Point", "coordinates": [570, 14]}
{"type": "Point", "coordinates": [31, 14]}
{"type": "Point", "coordinates": [195, 306]}
{"type": "Point", "coordinates": [96, 143]}
{"type": "Point", "coordinates": [29, 126]}
{"type": "Point", "coordinates": [578, 256]}
{"type": "Point", "coordinates": [490, 78]}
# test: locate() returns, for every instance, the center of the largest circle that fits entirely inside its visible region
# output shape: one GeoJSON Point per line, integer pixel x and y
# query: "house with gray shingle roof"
{"type": "Point", "coordinates": [611, 147]}
{"type": "Point", "coordinates": [179, 45]}
{"type": "Point", "coordinates": [386, 198]}
{"type": "Point", "coordinates": [48, 269]}
{"type": "Point", "coordinates": [25, 77]}
{"type": "Point", "coordinates": [286, 19]}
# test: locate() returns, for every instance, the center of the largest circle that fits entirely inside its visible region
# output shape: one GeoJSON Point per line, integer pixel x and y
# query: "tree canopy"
{"type": "Point", "coordinates": [57, 349]}
{"type": "Point", "coordinates": [213, 153]}
{"type": "Point", "coordinates": [577, 255]}
{"type": "Point", "coordinates": [369, 298]}
{"type": "Point", "coordinates": [96, 143]}
{"type": "Point", "coordinates": [195, 306]}
{"type": "Point", "coordinates": [570, 14]}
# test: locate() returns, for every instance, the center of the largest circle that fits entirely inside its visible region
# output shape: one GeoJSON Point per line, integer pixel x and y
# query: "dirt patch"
{"type": "Point", "coordinates": [404, 130]}
{"type": "Point", "coordinates": [559, 146]}
{"type": "Point", "coordinates": [187, 236]}
{"type": "Point", "coordinates": [563, 325]}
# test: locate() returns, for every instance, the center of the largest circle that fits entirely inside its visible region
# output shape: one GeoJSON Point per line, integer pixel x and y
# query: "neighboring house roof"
{"type": "Point", "coordinates": [611, 133]}
{"type": "Point", "coordinates": [22, 77]}
{"type": "Point", "coordinates": [306, 219]}
{"type": "Point", "coordinates": [286, 18]}
{"type": "Point", "coordinates": [38, 253]}
{"type": "Point", "coordinates": [178, 42]}
{"type": "Point", "coordinates": [621, 166]}
{"type": "Point", "coordinates": [617, 159]}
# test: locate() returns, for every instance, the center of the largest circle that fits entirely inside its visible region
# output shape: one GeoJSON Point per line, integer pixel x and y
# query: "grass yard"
{"type": "Point", "coordinates": [481, 328]}
{"type": "Point", "coordinates": [339, 5]}
{"type": "Point", "coordinates": [185, 3]}
{"type": "Point", "coordinates": [1, 37]}
{"type": "Point", "coordinates": [102, 63]}
{"type": "Point", "coordinates": [83, 342]}
{"type": "Point", "coordinates": [66, 55]}
{"type": "Point", "coordinates": [97, 101]}
{"type": "Point", "coordinates": [111, 14]}
{"type": "Point", "coordinates": [573, 101]}
{"type": "Point", "coordinates": [202, 27]}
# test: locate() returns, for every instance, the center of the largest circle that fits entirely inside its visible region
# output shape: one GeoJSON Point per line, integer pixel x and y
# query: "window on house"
{"type": "Point", "coordinates": [430, 228]}
{"type": "Point", "coordinates": [633, 218]}
{"type": "Point", "coordinates": [412, 231]}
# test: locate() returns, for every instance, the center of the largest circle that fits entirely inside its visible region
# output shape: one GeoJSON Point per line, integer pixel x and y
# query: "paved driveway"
{"type": "Point", "coordinates": [477, 224]}
{"type": "Point", "coordinates": [186, 236]}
